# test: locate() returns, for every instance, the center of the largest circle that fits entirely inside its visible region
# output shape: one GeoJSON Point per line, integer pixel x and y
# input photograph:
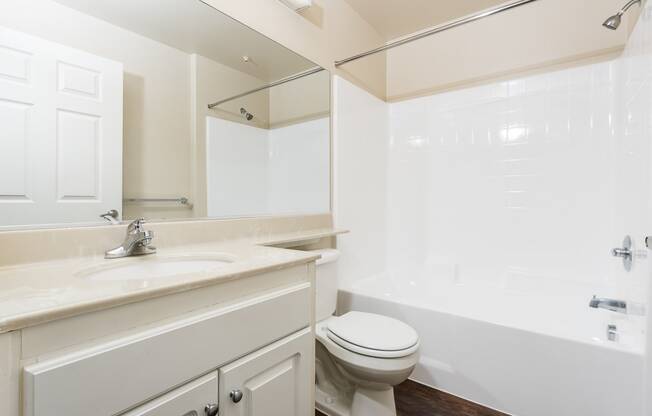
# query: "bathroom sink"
{"type": "Point", "coordinates": [155, 267]}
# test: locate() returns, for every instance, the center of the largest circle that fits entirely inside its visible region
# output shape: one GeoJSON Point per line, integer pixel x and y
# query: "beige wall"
{"type": "Point", "coordinates": [542, 33]}
{"type": "Point", "coordinates": [301, 100]}
{"type": "Point", "coordinates": [327, 31]}
{"type": "Point", "coordinates": [535, 36]}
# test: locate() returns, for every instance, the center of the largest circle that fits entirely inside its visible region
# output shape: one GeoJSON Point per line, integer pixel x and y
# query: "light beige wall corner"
{"type": "Point", "coordinates": [328, 31]}
{"type": "Point", "coordinates": [543, 33]}
{"type": "Point", "coordinates": [302, 100]}
{"type": "Point", "coordinates": [214, 81]}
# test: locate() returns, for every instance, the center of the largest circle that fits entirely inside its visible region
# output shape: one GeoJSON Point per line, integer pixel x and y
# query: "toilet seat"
{"type": "Point", "coordinates": [373, 335]}
{"type": "Point", "coordinates": [373, 365]}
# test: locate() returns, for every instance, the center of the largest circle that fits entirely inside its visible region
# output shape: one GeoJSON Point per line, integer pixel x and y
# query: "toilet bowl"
{"type": "Point", "coordinates": [360, 356]}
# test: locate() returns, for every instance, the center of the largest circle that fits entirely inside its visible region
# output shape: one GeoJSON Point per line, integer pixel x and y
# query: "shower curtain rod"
{"type": "Point", "coordinates": [270, 85]}
{"type": "Point", "coordinates": [446, 26]}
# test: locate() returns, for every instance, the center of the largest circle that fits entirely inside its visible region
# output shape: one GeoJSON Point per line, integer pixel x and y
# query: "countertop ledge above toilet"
{"type": "Point", "coordinates": [297, 237]}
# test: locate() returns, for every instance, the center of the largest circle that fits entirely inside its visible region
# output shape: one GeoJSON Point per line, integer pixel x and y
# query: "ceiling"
{"type": "Point", "coordinates": [396, 18]}
{"type": "Point", "coordinates": [186, 25]}
{"type": "Point", "coordinates": [524, 40]}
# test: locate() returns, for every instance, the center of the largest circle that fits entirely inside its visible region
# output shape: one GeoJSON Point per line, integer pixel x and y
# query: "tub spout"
{"type": "Point", "coordinates": [609, 304]}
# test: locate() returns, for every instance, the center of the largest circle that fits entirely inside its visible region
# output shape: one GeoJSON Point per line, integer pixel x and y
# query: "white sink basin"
{"type": "Point", "coordinates": [154, 267]}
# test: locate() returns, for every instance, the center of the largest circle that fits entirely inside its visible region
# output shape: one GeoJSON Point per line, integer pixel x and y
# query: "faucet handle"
{"type": "Point", "coordinates": [111, 216]}
{"type": "Point", "coordinates": [136, 225]}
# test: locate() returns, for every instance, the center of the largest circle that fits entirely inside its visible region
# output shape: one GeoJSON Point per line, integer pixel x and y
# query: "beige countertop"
{"type": "Point", "coordinates": [34, 293]}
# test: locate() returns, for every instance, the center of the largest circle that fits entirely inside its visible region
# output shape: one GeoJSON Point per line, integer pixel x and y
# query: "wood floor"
{"type": "Point", "coordinates": [414, 399]}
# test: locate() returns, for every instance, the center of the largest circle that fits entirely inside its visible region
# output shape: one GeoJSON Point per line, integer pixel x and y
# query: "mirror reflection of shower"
{"type": "Point", "coordinates": [246, 114]}
{"type": "Point", "coordinates": [613, 22]}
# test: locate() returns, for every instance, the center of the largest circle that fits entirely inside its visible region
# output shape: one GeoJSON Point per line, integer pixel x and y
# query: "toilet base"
{"type": "Point", "coordinates": [332, 404]}
{"type": "Point", "coordinates": [367, 402]}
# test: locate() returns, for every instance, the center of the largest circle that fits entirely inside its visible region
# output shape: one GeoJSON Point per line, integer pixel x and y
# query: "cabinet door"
{"type": "Point", "coordinates": [188, 400]}
{"type": "Point", "coordinates": [277, 380]}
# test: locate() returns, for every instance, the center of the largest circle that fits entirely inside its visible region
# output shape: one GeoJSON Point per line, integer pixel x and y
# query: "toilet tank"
{"type": "Point", "coordinates": [326, 283]}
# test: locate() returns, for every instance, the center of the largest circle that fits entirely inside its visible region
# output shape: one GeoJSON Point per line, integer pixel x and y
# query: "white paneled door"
{"type": "Point", "coordinates": [60, 132]}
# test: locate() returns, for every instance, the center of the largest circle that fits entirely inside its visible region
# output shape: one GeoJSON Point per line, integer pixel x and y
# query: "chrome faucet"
{"type": "Point", "coordinates": [137, 242]}
{"type": "Point", "coordinates": [609, 304]}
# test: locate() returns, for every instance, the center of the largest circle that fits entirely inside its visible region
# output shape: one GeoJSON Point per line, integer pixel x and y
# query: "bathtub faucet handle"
{"type": "Point", "coordinates": [621, 252]}
{"type": "Point", "coordinates": [625, 253]}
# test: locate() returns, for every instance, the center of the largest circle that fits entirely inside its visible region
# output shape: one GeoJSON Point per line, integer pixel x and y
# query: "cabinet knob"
{"type": "Point", "coordinates": [211, 409]}
{"type": "Point", "coordinates": [235, 395]}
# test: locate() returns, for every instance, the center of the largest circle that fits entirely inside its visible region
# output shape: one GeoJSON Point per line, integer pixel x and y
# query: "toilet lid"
{"type": "Point", "coordinates": [374, 335]}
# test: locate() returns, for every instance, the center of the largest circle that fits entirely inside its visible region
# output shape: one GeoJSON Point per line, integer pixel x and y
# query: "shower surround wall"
{"type": "Point", "coordinates": [527, 183]}
{"type": "Point", "coordinates": [511, 193]}
{"type": "Point", "coordinates": [255, 171]}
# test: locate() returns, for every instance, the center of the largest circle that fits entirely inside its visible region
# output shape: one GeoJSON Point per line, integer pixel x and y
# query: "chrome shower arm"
{"type": "Point", "coordinates": [628, 6]}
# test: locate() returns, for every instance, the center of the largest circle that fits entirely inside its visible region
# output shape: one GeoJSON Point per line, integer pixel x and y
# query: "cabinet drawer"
{"type": "Point", "coordinates": [107, 379]}
{"type": "Point", "coordinates": [189, 400]}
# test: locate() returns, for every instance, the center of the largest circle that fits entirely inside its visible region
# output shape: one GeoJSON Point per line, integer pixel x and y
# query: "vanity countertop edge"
{"type": "Point", "coordinates": [58, 292]}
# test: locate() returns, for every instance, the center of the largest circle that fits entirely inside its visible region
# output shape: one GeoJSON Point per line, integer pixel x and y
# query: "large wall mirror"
{"type": "Point", "coordinates": [145, 108]}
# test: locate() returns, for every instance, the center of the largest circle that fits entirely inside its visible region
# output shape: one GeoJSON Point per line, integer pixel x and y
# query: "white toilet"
{"type": "Point", "coordinates": [360, 356]}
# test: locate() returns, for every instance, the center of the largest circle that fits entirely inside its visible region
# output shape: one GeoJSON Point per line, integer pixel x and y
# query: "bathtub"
{"type": "Point", "coordinates": [521, 351]}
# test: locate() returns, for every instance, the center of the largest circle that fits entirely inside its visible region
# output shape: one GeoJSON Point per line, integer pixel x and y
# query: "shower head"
{"type": "Point", "coordinates": [614, 21]}
{"type": "Point", "coordinates": [246, 114]}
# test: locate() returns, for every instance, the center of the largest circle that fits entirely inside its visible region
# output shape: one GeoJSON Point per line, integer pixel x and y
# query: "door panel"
{"type": "Point", "coordinates": [274, 381]}
{"type": "Point", "coordinates": [14, 178]}
{"type": "Point", "coordinates": [61, 136]}
{"type": "Point", "coordinates": [274, 388]}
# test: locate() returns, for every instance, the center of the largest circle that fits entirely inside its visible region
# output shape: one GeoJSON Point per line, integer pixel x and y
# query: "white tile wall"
{"type": "Point", "coordinates": [533, 179]}
{"type": "Point", "coordinates": [526, 183]}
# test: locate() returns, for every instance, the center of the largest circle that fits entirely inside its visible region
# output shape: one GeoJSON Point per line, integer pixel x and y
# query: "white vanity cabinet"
{"type": "Point", "coordinates": [273, 381]}
{"type": "Point", "coordinates": [260, 346]}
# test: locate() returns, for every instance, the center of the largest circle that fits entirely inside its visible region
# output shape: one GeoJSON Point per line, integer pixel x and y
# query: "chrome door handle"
{"type": "Point", "coordinates": [112, 217]}
{"type": "Point", "coordinates": [211, 409]}
{"type": "Point", "coordinates": [235, 395]}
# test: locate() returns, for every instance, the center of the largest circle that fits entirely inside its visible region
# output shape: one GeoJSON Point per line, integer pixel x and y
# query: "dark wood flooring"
{"type": "Point", "coordinates": [414, 399]}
